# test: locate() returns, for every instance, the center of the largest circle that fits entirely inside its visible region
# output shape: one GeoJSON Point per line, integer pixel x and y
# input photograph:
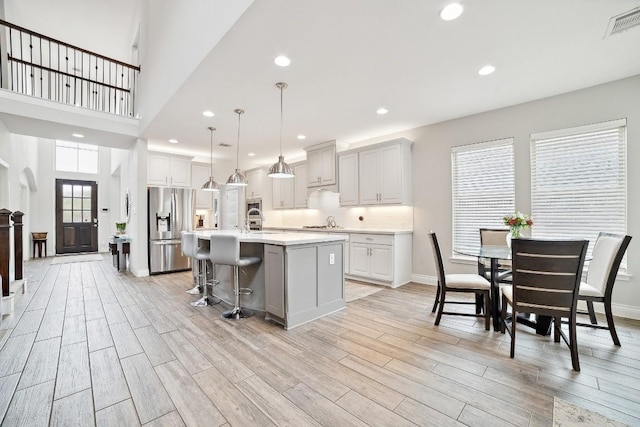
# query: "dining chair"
{"type": "Point", "coordinates": [459, 283]}
{"type": "Point", "coordinates": [494, 237]}
{"type": "Point", "coordinates": [601, 276]}
{"type": "Point", "coordinates": [546, 279]}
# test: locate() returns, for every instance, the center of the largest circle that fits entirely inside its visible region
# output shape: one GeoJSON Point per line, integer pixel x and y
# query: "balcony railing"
{"type": "Point", "coordinates": [40, 66]}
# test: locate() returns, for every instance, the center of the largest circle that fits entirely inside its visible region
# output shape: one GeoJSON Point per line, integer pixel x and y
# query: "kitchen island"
{"type": "Point", "coordinates": [300, 278]}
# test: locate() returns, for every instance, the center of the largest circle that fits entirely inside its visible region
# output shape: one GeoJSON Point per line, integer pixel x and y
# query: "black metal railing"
{"type": "Point", "coordinates": [36, 65]}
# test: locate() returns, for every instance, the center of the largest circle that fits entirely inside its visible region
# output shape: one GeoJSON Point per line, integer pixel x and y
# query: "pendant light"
{"type": "Point", "coordinates": [211, 185]}
{"type": "Point", "coordinates": [280, 169]}
{"type": "Point", "coordinates": [237, 178]}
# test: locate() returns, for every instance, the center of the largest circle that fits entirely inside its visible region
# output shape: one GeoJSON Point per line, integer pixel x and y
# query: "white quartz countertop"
{"type": "Point", "coordinates": [344, 230]}
{"type": "Point", "coordinates": [280, 239]}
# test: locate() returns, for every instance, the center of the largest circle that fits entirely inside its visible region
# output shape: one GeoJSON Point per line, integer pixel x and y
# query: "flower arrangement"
{"type": "Point", "coordinates": [517, 222]}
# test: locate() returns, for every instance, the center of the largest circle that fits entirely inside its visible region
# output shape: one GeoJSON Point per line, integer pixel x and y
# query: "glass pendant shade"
{"type": "Point", "coordinates": [211, 184]}
{"type": "Point", "coordinates": [237, 178]}
{"type": "Point", "coordinates": [280, 169]}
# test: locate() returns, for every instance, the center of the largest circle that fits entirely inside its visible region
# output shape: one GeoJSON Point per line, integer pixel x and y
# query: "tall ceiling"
{"type": "Point", "coordinates": [351, 57]}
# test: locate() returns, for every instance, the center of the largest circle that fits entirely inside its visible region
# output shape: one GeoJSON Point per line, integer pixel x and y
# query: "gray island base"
{"type": "Point", "coordinates": [300, 278]}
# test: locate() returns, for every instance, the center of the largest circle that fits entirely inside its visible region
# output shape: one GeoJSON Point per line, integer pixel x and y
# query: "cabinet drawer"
{"type": "Point", "coordinates": [378, 239]}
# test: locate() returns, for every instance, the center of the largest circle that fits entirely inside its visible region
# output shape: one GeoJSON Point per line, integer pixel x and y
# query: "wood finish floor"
{"type": "Point", "coordinates": [89, 346]}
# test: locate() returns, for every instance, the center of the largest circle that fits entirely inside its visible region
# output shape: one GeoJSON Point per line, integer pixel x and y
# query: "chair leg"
{"type": "Point", "coordinates": [557, 324]}
{"type": "Point", "coordinates": [479, 302]}
{"type": "Point", "coordinates": [435, 303]}
{"type": "Point", "coordinates": [592, 313]}
{"type": "Point", "coordinates": [197, 287]}
{"type": "Point", "coordinates": [612, 327]}
{"type": "Point", "coordinates": [441, 307]}
{"type": "Point", "coordinates": [487, 313]}
{"type": "Point", "coordinates": [503, 314]}
{"type": "Point", "coordinates": [513, 331]}
{"type": "Point", "coordinates": [236, 312]}
{"type": "Point", "coordinates": [573, 343]}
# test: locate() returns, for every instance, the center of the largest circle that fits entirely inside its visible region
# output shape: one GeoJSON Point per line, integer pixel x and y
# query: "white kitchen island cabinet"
{"type": "Point", "coordinates": [300, 278]}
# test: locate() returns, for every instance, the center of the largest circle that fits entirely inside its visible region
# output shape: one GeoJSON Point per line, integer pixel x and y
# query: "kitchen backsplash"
{"type": "Point", "coordinates": [374, 217]}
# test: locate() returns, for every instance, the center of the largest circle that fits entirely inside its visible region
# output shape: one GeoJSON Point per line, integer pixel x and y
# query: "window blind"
{"type": "Point", "coordinates": [483, 180]}
{"type": "Point", "coordinates": [579, 182]}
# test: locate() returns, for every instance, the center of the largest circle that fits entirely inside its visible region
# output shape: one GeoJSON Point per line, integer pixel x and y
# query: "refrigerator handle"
{"type": "Point", "coordinates": [174, 206]}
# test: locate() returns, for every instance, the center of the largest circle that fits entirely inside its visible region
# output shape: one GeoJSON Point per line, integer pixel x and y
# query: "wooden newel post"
{"type": "Point", "coordinates": [18, 243]}
{"type": "Point", "coordinates": [4, 250]}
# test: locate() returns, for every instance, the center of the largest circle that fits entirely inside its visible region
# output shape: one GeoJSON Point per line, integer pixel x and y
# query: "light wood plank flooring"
{"type": "Point", "coordinates": [90, 346]}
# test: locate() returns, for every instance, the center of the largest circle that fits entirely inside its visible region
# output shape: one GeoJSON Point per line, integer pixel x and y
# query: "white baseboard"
{"type": "Point", "coordinates": [620, 310]}
{"type": "Point", "coordinates": [143, 272]}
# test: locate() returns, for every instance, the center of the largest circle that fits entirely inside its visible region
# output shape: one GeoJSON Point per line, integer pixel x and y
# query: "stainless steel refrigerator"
{"type": "Point", "coordinates": [171, 210]}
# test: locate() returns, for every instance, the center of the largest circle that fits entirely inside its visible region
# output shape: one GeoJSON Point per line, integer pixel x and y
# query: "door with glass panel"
{"type": "Point", "coordinates": [76, 216]}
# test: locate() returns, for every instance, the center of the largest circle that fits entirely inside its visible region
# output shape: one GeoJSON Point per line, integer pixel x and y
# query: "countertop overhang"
{"type": "Point", "coordinates": [274, 238]}
{"type": "Point", "coordinates": [344, 230]}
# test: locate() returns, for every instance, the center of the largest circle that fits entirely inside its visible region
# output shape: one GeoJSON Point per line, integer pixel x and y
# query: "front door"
{"type": "Point", "coordinates": [76, 216]}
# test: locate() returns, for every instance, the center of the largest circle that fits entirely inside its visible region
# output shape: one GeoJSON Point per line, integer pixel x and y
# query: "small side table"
{"type": "Point", "coordinates": [120, 248]}
{"type": "Point", "coordinates": [40, 241]}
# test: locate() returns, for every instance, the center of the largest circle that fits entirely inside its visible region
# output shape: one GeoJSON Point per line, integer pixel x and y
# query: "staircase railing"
{"type": "Point", "coordinates": [37, 65]}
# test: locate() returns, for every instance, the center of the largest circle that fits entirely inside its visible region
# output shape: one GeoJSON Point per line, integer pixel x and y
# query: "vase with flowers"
{"type": "Point", "coordinates": [516, 223]}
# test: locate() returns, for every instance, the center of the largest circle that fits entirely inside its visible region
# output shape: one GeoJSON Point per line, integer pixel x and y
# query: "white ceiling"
{"type": "Point", "coordinates": [351, 57]}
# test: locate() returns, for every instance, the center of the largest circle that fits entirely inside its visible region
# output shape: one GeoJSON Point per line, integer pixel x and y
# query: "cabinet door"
{"type": "Point", "coordinates": [359, 259]}
{"type": "Point", "coordinates": [288, 188]}
{"type": "Point", "coordinates": [368, 177]}
{"type": "Point", "coordinates": [254, 185]}
{"type": "Point", "coordinates": [391, 175]}
{"type": "Point", "coordinates": [314, 168]}
{"type": "Point", "coordinates": [328, 165]}
{"type": "Point", "coordinates": [382, 262]}
{"type": "Point", "coordinates": [158, 170]}
{"type": "Point", "coordinates": [200, 175]}
{"type": "Point", "coordinates": [300, 186]}
{"type": "Point", "coordinates": [180, 172]}
{"type": "Point", "coordinates": [274, 280]}
{"type": "Point", "coordinates": [348, 178]}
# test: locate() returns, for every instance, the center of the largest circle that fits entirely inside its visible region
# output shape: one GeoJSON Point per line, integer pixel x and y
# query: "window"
{"type": "Point", "coordinates": [483, 180]}
{"type": "Point", "coordinates": [579, 182]}
{"type": "Point", "coordinates": [76, 157]}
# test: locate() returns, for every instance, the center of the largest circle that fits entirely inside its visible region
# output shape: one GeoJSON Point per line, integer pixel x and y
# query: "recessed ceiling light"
{"type": "Point", "coordinates": [282, 61]}
{"type": "Point", "coordinates": [251, 154]}
{"type": "Point", "coordinates": [208, 113]}
{"type": "Point", "coordinates": [173, 141]}
{"type": "Point", "coordinates": [486, 70]}
{"type": "Point", "coordinates": [77, 135]}
{"type": "Point", "coordinates": [451, 12]}
{"type": "Point", "coordinates": [382, 111]}
{"type": "Point", "coordinates": [302, 137]}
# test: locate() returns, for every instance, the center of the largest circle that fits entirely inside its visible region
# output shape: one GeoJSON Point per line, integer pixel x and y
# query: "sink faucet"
{"type": "Point", "coordinates": [331, 221]}
{"type": "Point", "coordinates": [249, 212]}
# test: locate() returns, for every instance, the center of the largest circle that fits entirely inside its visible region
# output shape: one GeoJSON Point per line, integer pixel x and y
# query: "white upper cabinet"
{"type": "Point", "coordinates": [199, 175]}
{"type": "Point", "coordinates": [254, 184]}
{"type": "Point", "coordinates": [170, 170]}
{"type": "Point", "coordinates": [300, 196]}
{"type": "Point", "coordinates": [348, 179]}
{"type": "Point", "coordinates": [322, 165]}
{"type": "Point", "coordinates": [283, 193]}
{"type": "Point", "coordinates": [384, 173]}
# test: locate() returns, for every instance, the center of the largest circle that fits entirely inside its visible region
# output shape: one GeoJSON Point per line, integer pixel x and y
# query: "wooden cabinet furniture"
{"type": "Point", "coordinates": [381, 173]}
{"type": "Point", "coordinates": [300, 196]}
{"type": "Point", "coordinates": [254, 184]}
{"type": "Point", "coordinates": [322, 164]}
{"type": "Point", "coordinates": [385, 259]}
{"type": "Point", "coordinates": [283, 193]}
{"type": "Point", "coordinates": [199, 175]}
{"type": "Point", "coordinates": [163, 169]}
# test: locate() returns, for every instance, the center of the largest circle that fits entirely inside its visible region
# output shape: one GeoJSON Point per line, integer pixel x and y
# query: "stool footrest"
{"type": "Point", "coordinates": [245, 291]}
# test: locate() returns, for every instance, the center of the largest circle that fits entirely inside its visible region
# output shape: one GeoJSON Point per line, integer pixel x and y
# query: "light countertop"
{"type": "Point", "coordinates": [344, 230]}
{"type": "Point", "coordinates": [280, 239]}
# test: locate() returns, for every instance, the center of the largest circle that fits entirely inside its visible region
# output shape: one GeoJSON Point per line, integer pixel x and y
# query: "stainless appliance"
{"type": "Point", "coordinates": [170, 212]}
{"type": "Point", "coordinates": [254, 217]}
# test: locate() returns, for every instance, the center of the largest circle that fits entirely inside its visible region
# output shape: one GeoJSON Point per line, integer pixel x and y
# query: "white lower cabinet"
{"type": "Point", "coordinates": [384, 259]}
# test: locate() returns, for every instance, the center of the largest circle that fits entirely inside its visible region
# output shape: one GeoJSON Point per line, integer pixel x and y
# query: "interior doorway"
{"type": "Point", "coordinates": [76, 216]}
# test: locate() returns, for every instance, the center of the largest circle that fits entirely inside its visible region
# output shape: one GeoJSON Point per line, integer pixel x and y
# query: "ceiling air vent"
{"type": "Point", "coordinates": [224, 144]}
{"type": "Point", "coordinates": [623, 22]}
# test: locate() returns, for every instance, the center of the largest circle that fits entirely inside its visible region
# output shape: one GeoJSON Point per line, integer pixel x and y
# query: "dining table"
{"type": "Point", "coordinates": [495, 254]}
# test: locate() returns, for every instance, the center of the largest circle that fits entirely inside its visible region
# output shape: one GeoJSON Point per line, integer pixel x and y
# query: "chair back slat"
{"type": "Point", "coordinates": [607, 256]}
{"type": "Point", "coordinates": [546, 275]}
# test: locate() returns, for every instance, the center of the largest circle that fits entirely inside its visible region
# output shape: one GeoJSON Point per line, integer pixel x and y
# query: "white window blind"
{"type": "Point", "coordinates": [483, 191]}
{"type": "Point", "coordinates": [579, 182]}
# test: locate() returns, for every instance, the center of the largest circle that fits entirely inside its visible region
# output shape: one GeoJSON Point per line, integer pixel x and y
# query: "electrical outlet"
{"type": "Point", "coordinates": [332, 259]}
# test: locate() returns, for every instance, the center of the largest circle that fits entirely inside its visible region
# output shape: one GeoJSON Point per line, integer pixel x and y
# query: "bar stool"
{"type": "Point", "coordinates": [224, 249]}
{"type": "Point", "coordinates": [200, 257]}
